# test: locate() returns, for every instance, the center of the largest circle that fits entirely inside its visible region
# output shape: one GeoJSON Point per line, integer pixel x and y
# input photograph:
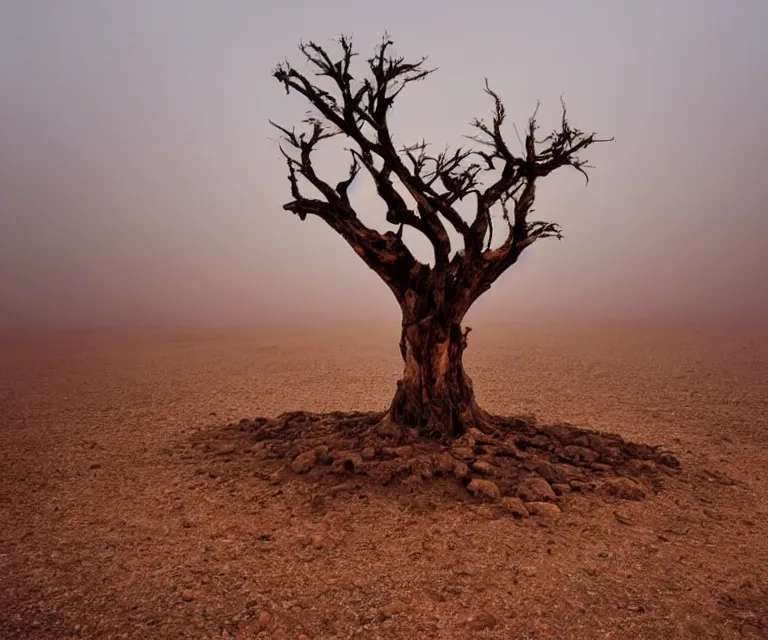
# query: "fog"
{"type": "Point", "coordinates": [140, 182]}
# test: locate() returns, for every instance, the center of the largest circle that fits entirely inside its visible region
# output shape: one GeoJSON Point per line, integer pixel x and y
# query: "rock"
{"type": "Point", "coordinates": [545, 509]}
{"type": "Point", "coordinates": [578, 455]}
{"type": "Point", "coordinates": [642, 467]}
{"type": "Point", "coordinates": [561, 489]}
{"type": "Point", "coordinates": [463, 452]}
{"type": "Point", "coordinates": [478, 436]}
{"type": "Point", "coordinates": [187, 595]}
{"type": "Point", "coordinates": [389, 429]}
{"type": "Point", "coordinates": [484, 489]}
{"type": "Point", "coordinates": [624, 488]}
{"type": "Point", "coordinates": [304, 462]}
{"type": "Point", "coordinates": [265, 617]}
{"type": "Point", "coordinates": [464, 442]}
{"type": "Point", "coordinates": [460, 469]}
{"type": "Point", "coordinates": [507, 449]}
{"type": "Point", "coordinates": [318, 542]}
{"type": "Point", "coordinates": [481, 466]}
{"type": "Point", "coordinates": [347, 461]}
{"type": "Point", "coordinates": [369, 453]}
{"type": "Point", "coordinates": [394, 608]}
{"type": "Point", "coordinates": [548, 472]}
{"type": "Point", "coordinates": [483, 620]}
{"type": "Point", "coordinates": [529, 572]}
{"type": "Point", "coordinates": [535, 489]}
{"type": "Point", "coordinates": [323, 454]}
{"type": "Point", "coordinates": [406, 451]}
{"type": "Point", "coordinates": [515, 506]}
{"type": "Point", "coordinates": [578, 485]}
{"type": "Point", "coordinates": [611, 455]}
{"type": "Point", "coordinates": [422, 467]}
{"type": "Point", "coordinates": [668, 460]}
{"type": "Point", "coordinates": [446, 464]}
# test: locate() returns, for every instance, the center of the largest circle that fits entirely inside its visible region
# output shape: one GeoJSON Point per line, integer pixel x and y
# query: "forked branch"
{"type": "Point", "coordinates": [386, 254]}
{"type": "Point", "coordinates": [491, 173]}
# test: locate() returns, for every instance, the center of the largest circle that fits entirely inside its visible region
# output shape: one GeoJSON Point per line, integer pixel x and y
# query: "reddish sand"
{"type": "Point", "coordinates": [108, 531]}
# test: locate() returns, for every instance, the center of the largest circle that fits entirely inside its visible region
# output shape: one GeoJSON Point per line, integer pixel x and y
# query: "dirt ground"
{"type": "Point", "coordinates": [112, 525]}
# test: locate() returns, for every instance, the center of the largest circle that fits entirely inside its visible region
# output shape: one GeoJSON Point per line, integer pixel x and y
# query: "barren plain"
{"type": "Point", "coordinates": [113, 526]}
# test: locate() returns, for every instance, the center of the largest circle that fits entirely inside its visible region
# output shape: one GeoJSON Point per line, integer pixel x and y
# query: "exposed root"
{"type": "Point", "coordinates": [520, 464]}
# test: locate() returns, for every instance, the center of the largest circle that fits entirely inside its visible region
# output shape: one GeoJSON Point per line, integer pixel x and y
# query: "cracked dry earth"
{"type": "Point", "coordinates": [129, 509]}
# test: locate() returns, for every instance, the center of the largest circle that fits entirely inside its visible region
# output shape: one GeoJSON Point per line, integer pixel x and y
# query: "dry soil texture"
{"type": "Point", "coordinates": [111, 526]}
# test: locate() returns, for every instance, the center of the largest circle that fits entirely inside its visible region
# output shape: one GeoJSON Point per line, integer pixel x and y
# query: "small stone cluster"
{"type": "Point", "coordinates": [526, 469]}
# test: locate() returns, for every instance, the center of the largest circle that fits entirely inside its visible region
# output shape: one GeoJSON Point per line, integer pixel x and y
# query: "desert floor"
{"type": "Point", "coordinates": [112, 527]}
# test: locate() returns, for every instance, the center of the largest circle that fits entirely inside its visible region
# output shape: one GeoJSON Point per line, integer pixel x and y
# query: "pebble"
{"type": "Point", "coordinates": [304, 462]}
{"type": "Point", "coordinates": [483, 467]}
{"type": "Point", "coordinates": [264, 619]}
{"type": "Point", "coordinates": [624, 488]}
{"type": "Point", "coordinates": [318, 542]}
{"type": "Point", "coordinates": [535, 489]}
{"type": "Point", "coordinates": [187, 595]}
{"type": "Point", "coordinates": [546, 509]}
{"type": "Point", "coordinates": [624, 519]}
{"type": "Point", "coordinates": [484, 489]}
{"type": "Point", "coordinates": [515, 506]}
{"type": "Point", "coordinates": [577, 454]}
{"type": "Point", "coordinates": [548, 472]}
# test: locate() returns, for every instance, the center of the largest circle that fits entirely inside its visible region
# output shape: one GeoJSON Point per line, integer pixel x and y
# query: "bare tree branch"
{"type": "Point", "coordinates": [357, 107]}
{"type": "Point", "coordinates": [386, 254]}
{"type": "Point", "coordinates": [518, 180]}
{"type": "Point", "coordinates": [358, 110]}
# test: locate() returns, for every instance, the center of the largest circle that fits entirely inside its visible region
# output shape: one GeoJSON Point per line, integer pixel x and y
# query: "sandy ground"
{"type": "Point", "coordinates": [111, 528]}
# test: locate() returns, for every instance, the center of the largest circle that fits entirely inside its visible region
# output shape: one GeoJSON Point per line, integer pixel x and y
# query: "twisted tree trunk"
{"type": "Point", "coordinates": [435, 393]}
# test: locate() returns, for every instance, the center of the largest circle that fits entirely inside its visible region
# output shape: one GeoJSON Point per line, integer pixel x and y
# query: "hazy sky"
{"type": "Point", "coordinates": [139, 181]}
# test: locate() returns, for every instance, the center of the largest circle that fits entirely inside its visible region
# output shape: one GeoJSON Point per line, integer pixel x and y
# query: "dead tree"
{"type": "Point", "coordinates": [421, 190]}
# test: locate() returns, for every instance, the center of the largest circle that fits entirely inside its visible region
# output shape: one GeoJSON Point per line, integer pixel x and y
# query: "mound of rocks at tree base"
{"type": "Point", "coordinates": [526, 468]}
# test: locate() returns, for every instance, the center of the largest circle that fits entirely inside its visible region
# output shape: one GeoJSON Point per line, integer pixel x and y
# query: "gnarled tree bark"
{"type": "Point", "coordinates": [435, 393]}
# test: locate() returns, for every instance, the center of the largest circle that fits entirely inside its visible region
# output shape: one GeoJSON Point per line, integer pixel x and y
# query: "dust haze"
{"type": "Point", "coordinates": [141, 184]}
